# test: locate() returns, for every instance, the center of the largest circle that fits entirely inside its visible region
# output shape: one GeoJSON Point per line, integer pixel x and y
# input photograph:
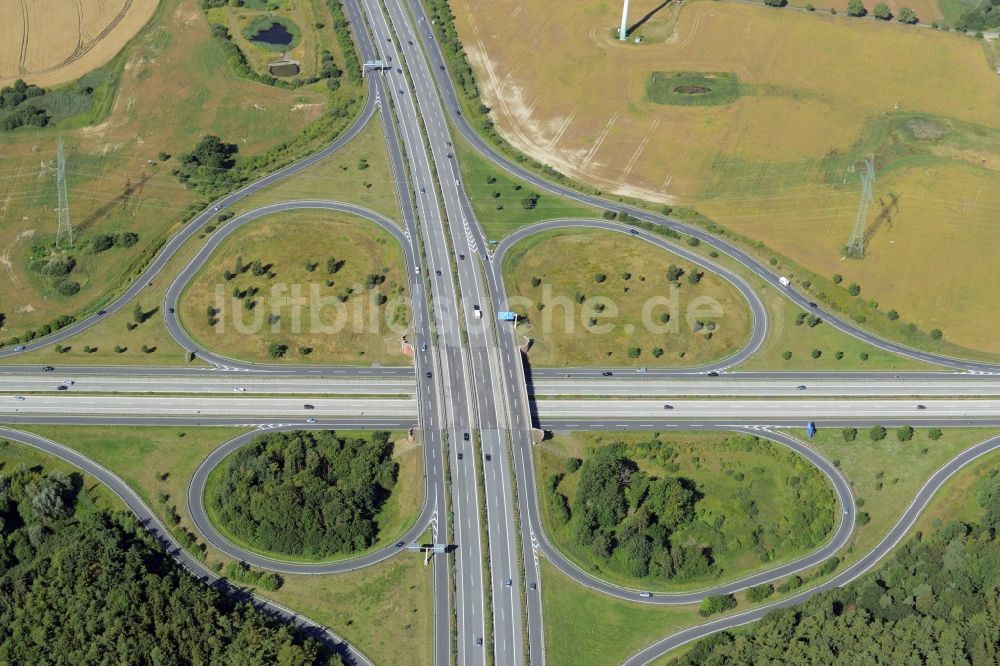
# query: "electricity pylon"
{"type": "Point", "coordinates": [856, 246]}
{"type": "Point", "coordinates": [65, 230]}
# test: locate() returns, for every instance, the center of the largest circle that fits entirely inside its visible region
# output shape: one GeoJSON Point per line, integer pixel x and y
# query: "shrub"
{"type": "Point", "coordinates": [787, 355]}
{"type": "Point", "coordinates": [850, 434]}
{"type": "Point", "coordinates": [856, 8]}
{"type": "Point", "coordinates": [934, 433]}
{"type": "Point", "coordinates": [716, 604]}
{"type": "Point", "coordinates": [573, 464]}
{"type": "Point", "coordinates": [693, 242]}
{"type": "Point", "coordinates": [876, 433]}
{"type": "Point", "coordinates": [907, 15]}
{"type": "Point", "coordinates": [892, 315]}
{"type": "Point", "coordinates": [600, 277]}
{"type": "Point", "coordinates": [758, 593]}
{"type": "Point", "coordinates": [610, 215]}
{"type": "Point", "coordinates": [854, 289]}
{"type": "Point", "coordinates": [67, 287]}
{"type": "Point", "coordinates": [634, 352]}
{"type": "Point", "coordinates": [837, 278]}
{"type": "Point", "coordinates": [937, 334]}
{"type": "Point", "coordinates": [816, 353]}
{"type": "Point", "coordinates": [862, 518]}
{"type": "Point", "coordinates": [881, 12]}
{"type": "Point", "coordinates": [863, 356]}
{"type": "Point", "coordinates": [657, 352]}
{"type": "Point", "coordinates": [276, 350]}
{"type": "Point", "coordinates": [904, 433]}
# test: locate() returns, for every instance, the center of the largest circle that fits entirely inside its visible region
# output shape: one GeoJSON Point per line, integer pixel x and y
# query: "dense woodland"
{"type": "Point", "coordinates": [311, 493]}
{"type": "Point", "coordinates": [80, 585]}
{"type": "Point", "coordinates": [936, 601]}
{"type": "Point", "coordinates": [649, 524]}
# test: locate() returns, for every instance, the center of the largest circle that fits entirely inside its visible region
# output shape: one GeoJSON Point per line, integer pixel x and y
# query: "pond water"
{"type": "Point", "coordinates": [283, 69]}
{"type": "Point", "coordinates": [277, 34]}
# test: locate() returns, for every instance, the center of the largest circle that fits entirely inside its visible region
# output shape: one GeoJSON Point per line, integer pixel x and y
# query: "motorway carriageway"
{"type": "Point", "coordinates": [197, 383]}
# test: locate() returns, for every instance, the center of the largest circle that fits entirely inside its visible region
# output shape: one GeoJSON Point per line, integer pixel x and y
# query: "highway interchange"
{"type": "Point", "coordinates": [471, 380]}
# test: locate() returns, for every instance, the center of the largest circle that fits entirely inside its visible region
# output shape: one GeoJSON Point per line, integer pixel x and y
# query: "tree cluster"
{"type": "Point", "coordinates": [985, 16]}
{"type": "Point", "coordinates": [15, 109]}
{"type": "Point", "coordinates": [83, 586]}
{"type": "Point", "coordinates": [936, 601]}
{"type": "Point", "coordinates": [306, 493]}
{"type": "Point", "coordinates": [208, 164]}
{"type": "Point", "coordinates": [623, 514]}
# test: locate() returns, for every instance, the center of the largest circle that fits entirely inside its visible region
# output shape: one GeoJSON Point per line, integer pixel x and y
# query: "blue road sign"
{"type": "Point", "coordinates": [506, 316]}
{"type": "Point", "coordinates": [810, 429]}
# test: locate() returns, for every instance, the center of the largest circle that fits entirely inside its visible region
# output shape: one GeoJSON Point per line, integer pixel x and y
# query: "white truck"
{"type": "Point", "coordinates": [784, 281]}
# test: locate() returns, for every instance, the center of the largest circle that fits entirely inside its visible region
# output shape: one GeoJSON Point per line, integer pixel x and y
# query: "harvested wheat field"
{"type": "Point", "coordinates": [56, 41]}
{"type": "Point", "coordinates": [816, 94]}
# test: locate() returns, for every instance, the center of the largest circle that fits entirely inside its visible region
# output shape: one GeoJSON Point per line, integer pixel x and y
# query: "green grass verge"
{"type": "Point", "coordinates": [501, 201]}
{"type": "Point", "coordinates": [692, 88]}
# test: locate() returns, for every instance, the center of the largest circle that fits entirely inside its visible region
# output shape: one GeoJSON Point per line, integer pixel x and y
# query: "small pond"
{"type": "Point", "coordinates": [277, 35]}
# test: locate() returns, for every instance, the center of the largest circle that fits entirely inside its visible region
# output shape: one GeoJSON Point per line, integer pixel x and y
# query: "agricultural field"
{"type": "Point", "coordinates": [173, 85]}
{"type": "Point", "coordinates": [753, 505]}
{"type": "Point", "coordinates": [925, 113]}
{"type": "Point", "coordinates": [344, 302]}
{"type": "Point", "coordinates": [601, 298]}
{"type": "Point", "coordinates": [45, 43]}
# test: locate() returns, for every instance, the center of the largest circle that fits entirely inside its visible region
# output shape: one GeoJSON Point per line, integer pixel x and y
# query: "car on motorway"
{"type": "Point", "coordinates": [239, 389]}
{"type": "Point", "coordinates": [668, 406]}
{"type": "Point", "coordinates": [47, 368]}
{"type": "Point", "coordinates": [465, 436]}
{"type": "Point", "coordinates": [461, 257]}
{"type": "Point", "coordinates": [308, 407]}
{"type": "Point", "coordinates": [18, 397]}
{"type": "Point", "coordinates": [460, 456]}
{"type": "Point", "coordinates": [476, 312]}
{"type": "Point", "coordinates": [68, 382]}
{"type": "Point", "coordinates": [310, 420]}
{"type": "Point", "coordinates": [800, 387]}
{"type": "Point", "coordinates": [641, 370]}
{"type": "Point", "coordinates": [607, 373]}
{"type": "Point", "coordinates": [438, 272]}
{"type": "Point", "coordinates": [713, 374]}
{"type": "Point", "coordinates": [170, 310]}
{"type": "Point", "coordinates": [921, 406]}
{"type": "Point", "coordinates": [812, 304]}
{"type": "Point", "coordinates": [634, 232]}
{"type": "Point", "coordinates": [645, 595]}
{"type": "Point", "coordinates": [216, 209]}
{"type": "Point", "coordinates": [428, 374]}
{"type": "Point", "coordinates": [62, 387]}
{"type": "Point", "coordinates": [509, 582]}
{"type": "Point", "coordinates": [423, 347]}
{"type": "Point", "coordinates": [423, 191]}
{"type": "Point", "coordinates": [488, 457]}
{"type": "Point", "coordinates": [19, 348]}
{"type": "Point", "coordinates": [399, 544]}
{"type": "Point", "coordinates": [479, 641]}
{"type": "Point", "coordinates": [417, 270]}
{"type": "Point", "coordinates": [533, 585]}
{"type": "Point", "coordinates": [101, 312]}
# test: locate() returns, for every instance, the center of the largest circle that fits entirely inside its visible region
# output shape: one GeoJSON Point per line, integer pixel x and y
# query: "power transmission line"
{"type": "Point", "coordinates": [65, 230]}
{"type": "Point", "coordinates": [856, 246]}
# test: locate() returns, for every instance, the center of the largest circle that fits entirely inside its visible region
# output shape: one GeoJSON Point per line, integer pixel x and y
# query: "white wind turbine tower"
{"type": "Point", "coordinates": [623, 31]}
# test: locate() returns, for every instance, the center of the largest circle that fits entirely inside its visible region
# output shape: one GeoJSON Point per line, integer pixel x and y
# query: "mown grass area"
{"type": "Point", "coordinates": [601, 298]}
{"type": "Point", "coordinates": [692, 88]}
{"type": "Point", "coordinates": [397, 515]}
{"type": "Point", "coordinates": [503, 203]}
{"type": "Point", "coordinates": [886, 475]}
{"type": "Point", "coordinates": [587, 628]}
{"type": "Point", "coordinates": [343, 300]}
{"type": "Point", "coordinates": [385, 610]}
{"type": "Point", "coordinates": [757, 502]}
{"type": "Point", "coordinates": [358, 173]}
{"type": "Point", "coordinates": [792, 340]}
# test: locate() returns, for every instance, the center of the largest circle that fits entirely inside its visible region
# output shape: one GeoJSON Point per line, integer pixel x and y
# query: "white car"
{"type": "Point", "coordinates": [68, 382]}
{"type": "Point", "coordinates": [239, 389]}
{"type": "Point", "coordinates": [20, 348]}
{"type": "Point", "coordinates": [310, 420]}
{"type": "Point", "coordinates": [417, 270]}
{"type": "Point", "coordinates": [18, 397]}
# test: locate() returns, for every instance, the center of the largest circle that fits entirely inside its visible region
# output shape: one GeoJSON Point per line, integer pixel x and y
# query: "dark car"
{"type": "Point", "coordinates": [713, 374]}
{"type": "Point", "coordinates": [461, 256]}
{"type": "Point", "coordinates": [171, 310]}
{"type": "Point", "coordinates": [479, 641]}
{"type": "Point", "coordinates": [633, 232]}
{"type": "Point", "coordinates": [308, 407]}
{"type": "Point", "coordinates": [533, 586]}
{"type": "Point", "coordinates": [668, 406]}
{"type": "Point", "coordinates": [812, 304]}
{"type": "Point", "coordinates": [428, 374]}
{"type": "Point", "coordinates": [921, 406]}
{"type": "Point", "coordinates": [488, 457]}
{"type": "Point", "coordinates": [438, 271]}
{"type": "Point", "coordinates": [465, 436]}
{"type": "Point", "coordinates": [100, 312]}
{"type": "Point", "coordinates": [47, 368]}
{"type": "Point", "coordinates": [399, 544]}
{"type": "Point", "coordinates": [800, 387]}
{"type": "Point", "coordinates": [62, 387]}
{"type": "Point", "coordinates": [607, 373]}
{"type": "Point", "coordinates": [460, 456]}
